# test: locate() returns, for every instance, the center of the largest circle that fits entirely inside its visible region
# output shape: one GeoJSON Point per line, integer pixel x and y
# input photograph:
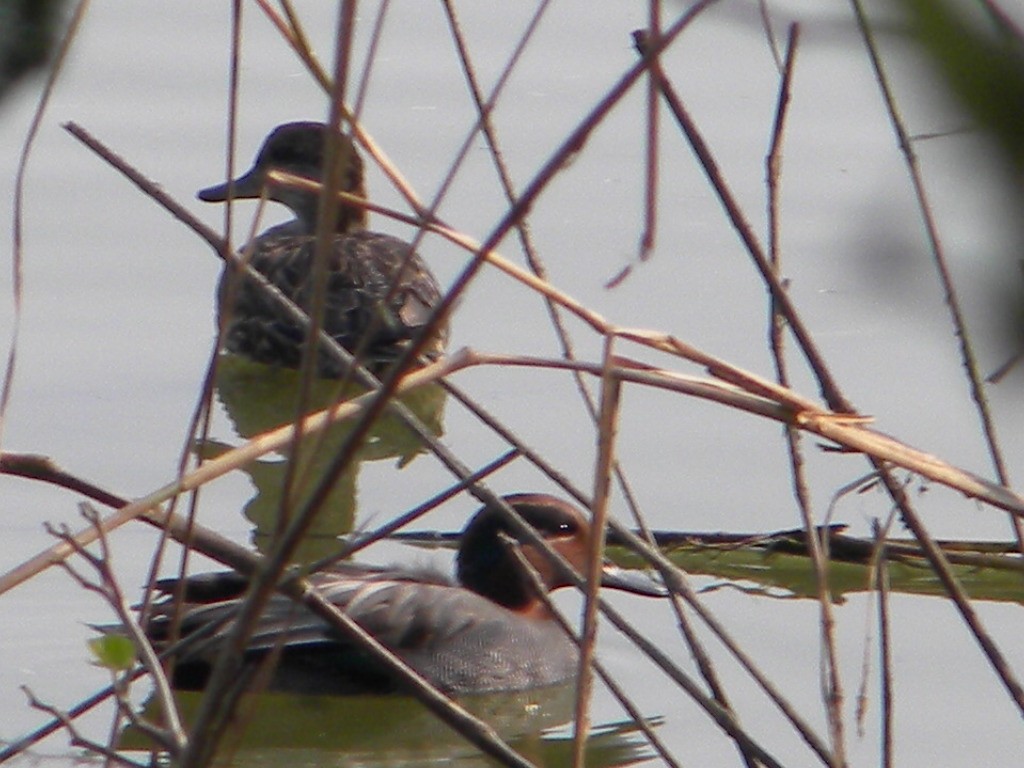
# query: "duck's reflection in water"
{"type": "Point", "coordinates": [258, 398]}
{"type": "Point", "coordinates": [287, 730]}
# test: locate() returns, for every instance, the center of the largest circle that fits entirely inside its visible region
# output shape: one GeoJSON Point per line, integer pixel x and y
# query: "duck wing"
{"type": "Point", "coordinates": [379, 294]}
{"type": "Point", "coordinates": [459, 640]}
{"type": "Point", "coordinates": [379, 597]}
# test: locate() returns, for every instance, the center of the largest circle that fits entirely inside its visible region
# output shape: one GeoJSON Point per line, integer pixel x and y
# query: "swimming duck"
{"type": "Point", "coordinates": [487, 631]}
{"type": "Point", "coordinates": [363, 308]}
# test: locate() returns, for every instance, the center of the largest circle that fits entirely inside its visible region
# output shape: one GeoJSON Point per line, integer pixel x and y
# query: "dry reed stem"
{"type": "Point", "coordinates": [648, 235]}
{"type": "Point", "coordinates": [808, 411]}
{"type": "Point", "coordinates": [885, 658]}
{"type": "Point", "coordinates": [190, 536]}
{"type": "Point", "coordinates": [940, 565]}
{"type": "Point", "coordinates": [17, 241]}
{"type": "Point", "coordinates": [240, 558]}
{"type": "Point", "coordinates": [836, 399]}
{"type": "Point", "coordinates": [743, 229]}
{"type": "Point", "coordinates": [292, 32]}
{"type": "Point", "coordinates": [849, 432]}
{"type": "Point", "coordinates": [19, 746]}
{"type": "Point", "coordinates": [236, 458]}
{"type": "Point", "coordinates": [673, 576]}
{"type": "Point", "coordinates": [172, 736]}
{"type": "Point", "coordinates": [291, 311]}
{"type": "Point", "coordinates": [607, 432]}
{"type": "Point", "coordinates": [281, 436]}
{"type": "Point", "coordinates": [598, 668]}
{"type": "Point", "coordinates": [988, 646]}
{"type": "Point", "coordinates": [76, 739]}
{"type": "Point", "coordinates": [830, 390]}
{"type": "Point", "coordinates": [222, 693]}
{"type": "Point", "coordinates": [812, 418]}
{"type": "Point", "coordinates": [533, 258]}
{"type": "Point", "coordinates": [709, 389]}
{"type": "Point", "coordinates": [951, 297]}
{"type": "Point", "coordinates": [832, 691]}
{"type": "Point", "coordinates": [246, 562]}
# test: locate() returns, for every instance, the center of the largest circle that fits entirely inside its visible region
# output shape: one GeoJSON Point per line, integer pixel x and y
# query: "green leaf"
{"type": "Point", "coordinates": [115, 652]}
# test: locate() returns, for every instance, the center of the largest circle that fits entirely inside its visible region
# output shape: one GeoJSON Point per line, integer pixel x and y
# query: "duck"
{"type": "Point", "coordinates": [380, 292]}
{"type": "Point", "coordinates": [485, 631]}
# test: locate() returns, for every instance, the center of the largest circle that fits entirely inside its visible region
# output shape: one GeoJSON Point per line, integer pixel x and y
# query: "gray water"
{"type": "Point", "coordinates": [117, 319]}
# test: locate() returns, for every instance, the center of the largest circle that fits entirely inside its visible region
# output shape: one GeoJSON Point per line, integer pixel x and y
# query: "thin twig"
{"type": "Point", "coordinates": [885, 654]}
{"type": "Point", "coordinates": [211, 469]}
{"type": "Point", "coordinates": [831, 683]}
{"type": "Point", "coordinates": [651, 154]}
{"type": "Point", "coordinates": [934, 554]}
{"type": "Point", "coordinates": [611, 389]}
{"type": "Point", "coordinates": [77, 739]}
{"type": "Point", "coordinates": [852, 435]}
{"type": "Point", "coordinates": [540, 590]}
{"type": "Point", "coordinates": [173, 736]}
{"type": "Point", "coordinates": [809, 349]}
{"type": "Point", "coordinates": [975, 378]}
{"type": "Point", "coordinates": [17, 241]}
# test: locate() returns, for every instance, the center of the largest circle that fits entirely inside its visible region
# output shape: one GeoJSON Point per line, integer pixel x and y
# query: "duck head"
{"type": "Point", "coordinates": [299, 149]}
{"type": "Point", "coordinates": [486, 564]}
